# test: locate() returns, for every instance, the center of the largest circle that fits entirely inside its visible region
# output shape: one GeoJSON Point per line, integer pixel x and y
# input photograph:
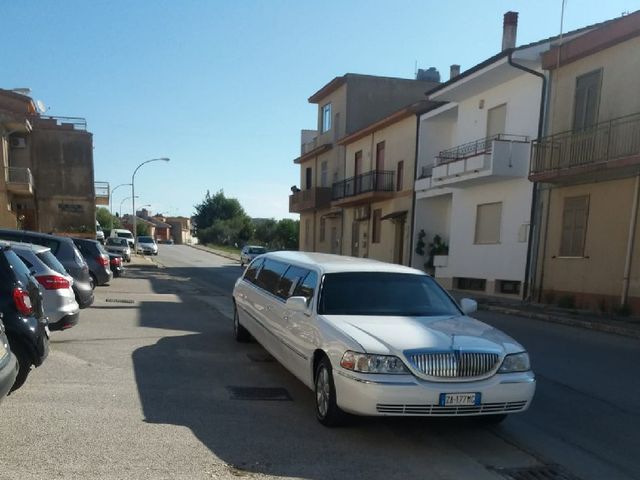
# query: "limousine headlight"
{"type": "Point", "coordinates": [516, 362]}
{"type": "Point", "coordinates": [366, 363]}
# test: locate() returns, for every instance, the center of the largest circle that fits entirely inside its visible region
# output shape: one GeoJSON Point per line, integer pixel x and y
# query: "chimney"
{"type": "Point", "coordinates": [509, 30]}
{"type": "Point", "coordinates": [454, 71]}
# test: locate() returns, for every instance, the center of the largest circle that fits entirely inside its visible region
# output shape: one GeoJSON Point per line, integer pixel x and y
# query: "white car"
{"type": "Point", "coordinates": [372, 338]}
{"type": "Point", "coordinates": [123, 233]}
{"type": "Point", "coordinates": [59, 301]}
{"type": "Point", "coordinates": [147, 245]}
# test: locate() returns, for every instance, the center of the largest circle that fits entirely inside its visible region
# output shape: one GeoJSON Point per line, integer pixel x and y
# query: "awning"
{"type": "Point", "coordinates": [395, 215]}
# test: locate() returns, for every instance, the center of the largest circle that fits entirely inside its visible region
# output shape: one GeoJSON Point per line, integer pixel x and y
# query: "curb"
{"type": "Point", "coordinates": [214, 252]}
{"type": "Point", "coordinates": [588, 325]}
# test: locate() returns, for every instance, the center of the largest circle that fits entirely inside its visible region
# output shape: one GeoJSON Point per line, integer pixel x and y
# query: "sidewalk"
{"type": "Point", "coordinates": [215, 251]}
{"type": "Point", "coordinates": [140, 260]}
{"type": "Point", "coordinates": [610, 323]}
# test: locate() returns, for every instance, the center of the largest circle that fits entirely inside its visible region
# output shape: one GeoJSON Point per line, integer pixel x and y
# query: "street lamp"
{"type": "Point", "coordinates": [124, 200]}
{"type": "Point", "coordinates": [111, 196]}
{"type": "Point", "coordinates": [133, 194]}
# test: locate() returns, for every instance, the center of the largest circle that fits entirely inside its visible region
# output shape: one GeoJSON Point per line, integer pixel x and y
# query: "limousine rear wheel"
{"type": "Point", "coordinates": [327, 410]}
{"type": "Point", "coordinates": [239, 332]}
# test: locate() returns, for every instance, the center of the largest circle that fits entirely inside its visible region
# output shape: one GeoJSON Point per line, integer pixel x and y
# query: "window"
{"type": "Point", "coordinates": [323, 227]}
{"type": "Point", "coordinates": [270, 274]}
{"type": "Point", "coordinates": [307, 287]}
{"type": "Point", "coordinates": [574, 226]}
{"type": "Point", "coordinates": [308, 183]}
{"type": "Point", "coordinates": [400, 176]}
{"type": "Point", "coordinates": [358, 293]}
{"type": "Point", "coordinates": [587, 100]}
{"type": "Point", "coordinates": [252, 270]}
{"type": "Point", "coordinates": [380, 157]}
{"type": "Point", "coordinates": [326, 118]}
{"type": "Point", "coordinates": [290, 280]}
{"type": "Point", "coordinates": [377, 225]}
{"type": "Point", "coordinates": [488, 217]}
{"type": "Point", "coordinates": [324, 174]}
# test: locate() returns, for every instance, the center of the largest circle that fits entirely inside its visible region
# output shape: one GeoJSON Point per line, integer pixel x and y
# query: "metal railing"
{"type": "Point", "coordinates": [373, 181]}
{"type": "Point", "coordinates": [19, 175]}
{"type": "Point", "coordinates": [101, 189]}
{"type": "Point", "coordinates": [603, 142]}
{"type": "Point", "coordinates": [78, 123]}
{"type": "Point", "coordinates": [425, 171]}
{"type": "Point", "coordinates": [481, 146]}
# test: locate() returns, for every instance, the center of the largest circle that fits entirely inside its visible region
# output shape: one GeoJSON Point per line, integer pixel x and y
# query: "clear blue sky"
{"type": "Point", "coordinates": [221, 87]}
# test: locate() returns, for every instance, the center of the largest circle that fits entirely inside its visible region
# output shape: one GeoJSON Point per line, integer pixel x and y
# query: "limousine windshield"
{"type": "Point", "coordinates": [387, 294]}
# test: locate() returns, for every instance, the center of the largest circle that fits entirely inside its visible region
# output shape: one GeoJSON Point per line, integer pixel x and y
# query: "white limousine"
{"type": "Point", "coordinates": [372, 338]}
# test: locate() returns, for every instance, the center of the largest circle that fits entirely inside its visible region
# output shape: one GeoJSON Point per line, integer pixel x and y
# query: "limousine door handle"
{"type": "Point", "coordinates": [286, 318]}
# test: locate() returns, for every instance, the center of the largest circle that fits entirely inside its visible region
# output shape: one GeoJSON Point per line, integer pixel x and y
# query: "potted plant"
{"type": "Point", "coordinates": [438, 252]}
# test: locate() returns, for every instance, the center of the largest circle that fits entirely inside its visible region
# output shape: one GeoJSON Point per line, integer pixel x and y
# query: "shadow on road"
{"type": "Point", "coordinates": [184, 380]}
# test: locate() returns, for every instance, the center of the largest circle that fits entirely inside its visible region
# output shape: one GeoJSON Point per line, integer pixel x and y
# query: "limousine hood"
{"type": "Point", "coordinates": [393, 335]}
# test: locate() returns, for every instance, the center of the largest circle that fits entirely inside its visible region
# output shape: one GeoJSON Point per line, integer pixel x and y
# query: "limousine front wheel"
{"type": "Point", "coordinates": [327, 411]}
{"type": "Point", "coordinates": [239, 332]}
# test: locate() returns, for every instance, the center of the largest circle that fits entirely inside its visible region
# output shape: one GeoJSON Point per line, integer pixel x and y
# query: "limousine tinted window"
{"type": "Point", "coordinates": [252, 270]}
{"type": "Point", "coordinates": [307, 287]}
{"type": "Point", "coordinates": [290, 280]}
{"type": "Point", "coordinates": [377, 293]}
{"type": "Point", "coordinates": [270, 274]}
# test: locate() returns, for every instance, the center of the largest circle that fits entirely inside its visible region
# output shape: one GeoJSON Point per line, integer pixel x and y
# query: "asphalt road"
{"type": "Point", "coordinates": [143, 388]}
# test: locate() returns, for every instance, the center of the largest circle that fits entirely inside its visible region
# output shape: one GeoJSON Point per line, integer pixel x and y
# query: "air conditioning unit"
{"type": "Point", "coordinates": [18, 142]}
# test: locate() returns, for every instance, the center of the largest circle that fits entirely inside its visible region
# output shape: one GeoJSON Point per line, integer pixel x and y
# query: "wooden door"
{"type": "Point", "coordinates": [357, 172]}
{"type": "Point", "coordinates": [398, 251]}
{"type": "Point", "coordinates": [355, 239]}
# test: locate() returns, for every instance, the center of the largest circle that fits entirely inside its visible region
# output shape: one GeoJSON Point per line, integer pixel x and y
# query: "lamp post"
{"type": "Point", "coordinates": [111, 196]}
{"type": "Point", "coordinates": [133, 194]}
{"type": "Point", "coordinates": [122, 201]}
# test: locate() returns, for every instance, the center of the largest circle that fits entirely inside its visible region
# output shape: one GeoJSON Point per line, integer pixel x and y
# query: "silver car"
{"type": "Point", "coordinates": [147, 245]}
{"type": "Point", "coordinates": [249, 252]}
{"type": "Point", "coordinates": [59, 301]}
{"type": "Point", "coordinates": [119, 246]}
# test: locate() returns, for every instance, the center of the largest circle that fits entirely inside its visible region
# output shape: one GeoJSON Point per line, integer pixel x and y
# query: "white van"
{"type": "Point", "coordinates": [123, 233]}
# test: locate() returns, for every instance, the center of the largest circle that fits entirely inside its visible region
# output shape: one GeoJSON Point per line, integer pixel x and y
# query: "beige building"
{"type": "Point", "coordinates": [47, 170]}
{"type": "Point", "coordinates": [180, 229]}
{"type": "Point", "coordinates": [328, 175]}
{"type": "Point", "coordinates": [588, 244]}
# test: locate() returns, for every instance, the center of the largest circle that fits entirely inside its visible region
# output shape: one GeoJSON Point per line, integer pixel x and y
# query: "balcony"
{"type": "Point", "coordinates": [608, 149]}
{"type": "Point", "coordinates": [19, 181]}
{"type": "Point", "coordinates": [102, 193]}
{"type": "Point", "coordinates": [313, 198]}
{"type": "Point", "coordinates": [365, 188]}
{"type": "Point", "coordinates": [485, 160]}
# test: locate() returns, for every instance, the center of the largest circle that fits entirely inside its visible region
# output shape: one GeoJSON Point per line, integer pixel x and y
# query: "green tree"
{"type": "Point", "coordinates": [217, 207]}
{"type": "Point", "coordinates": [222, 220]}
{"type": "Point", "coordinates": [106, 220]}
{"type": "Point", "coordinates": [287, 233]}
{"type": "Point", "coordinates": [265, 232]}
{"type": "Point", "coordinates": [142, 229]}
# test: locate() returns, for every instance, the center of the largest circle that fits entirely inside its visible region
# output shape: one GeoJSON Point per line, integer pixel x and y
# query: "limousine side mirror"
{"type": "Point", "coordinates": [468, 306]}
{"type": "Point", "coordinates": [297, 304]}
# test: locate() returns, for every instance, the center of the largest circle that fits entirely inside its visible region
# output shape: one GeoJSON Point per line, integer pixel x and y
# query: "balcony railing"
{"type": "Point", "coordinates": [318, 197]}
{"type": "Point", "coordinates": [373, 181]}
{"type": "Point", "coordinates": [481, 146]}
{"type": "Point", "coordinates": [604, 142]}
{"type": "Point", "coordinates": [102, 193]}
{"type": "Point", "coordinates": [19, 179]}
{"type": "Point", "coordinates": [72, 123]}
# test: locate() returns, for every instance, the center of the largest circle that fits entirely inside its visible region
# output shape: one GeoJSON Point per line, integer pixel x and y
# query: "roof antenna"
{"type": "Point", "coordinates": [415, 70]}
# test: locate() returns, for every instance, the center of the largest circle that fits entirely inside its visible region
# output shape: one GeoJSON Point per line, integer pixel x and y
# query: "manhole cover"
{"type": "Point", "coordinates": [260, 357]}
{"type": "Point", "coordinates": [544, 472]}
{"type": "Point", "coordinates": [118, 300]}
{"type": "Point", "coordinates": [259, 393]}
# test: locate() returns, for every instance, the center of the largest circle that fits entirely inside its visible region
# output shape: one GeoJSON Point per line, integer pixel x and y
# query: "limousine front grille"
{"type": "Point", "coordinates": [454, 364]}
{"type": "Point", "coordinates": [434, 410]}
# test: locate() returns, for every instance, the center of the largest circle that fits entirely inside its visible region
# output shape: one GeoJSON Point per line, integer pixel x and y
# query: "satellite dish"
{"type": "Point", "coordinates": [41, 106]}
{"type": "Point", "coordinates": [22, 91]}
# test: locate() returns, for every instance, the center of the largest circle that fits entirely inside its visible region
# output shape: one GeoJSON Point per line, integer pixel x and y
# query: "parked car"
{"type": "Point", "coordinates": [60, 305]}
{"type": "Point", "coordinates": [249, 252]}
{"type": "Point", "coordinates": [372, 338]}
{"type": "Point", "coordinates": [99, 233]}
{"type": "Point", "coordinates": [147, 246]}
{"type": "Point", "coordinates": [97, 258]}
{"type": "Point", "coordinates": [8, 363]}
{"type": "Point", "coordinates": [115, 263]}
{"type": "Point", "coordinates": [122, 233]}
{"type": "Point", "coordinates": [66, 252]}
{"type": "Point", "coordinates": [119, 246]}
{"type": "Point", "coordinates": [22, 313]}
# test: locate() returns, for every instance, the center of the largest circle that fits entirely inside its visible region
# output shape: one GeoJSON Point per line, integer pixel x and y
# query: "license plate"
{"type": "Point", "coordinates": [456, 399]}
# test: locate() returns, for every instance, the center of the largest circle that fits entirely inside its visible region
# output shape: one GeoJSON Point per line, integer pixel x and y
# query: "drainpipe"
{"type": "Point", "coordinates": [632, 235]}
{"type": "Point", "coordinates": [413, 198]}
{"type": "Point", "coordinates": [534, 197]}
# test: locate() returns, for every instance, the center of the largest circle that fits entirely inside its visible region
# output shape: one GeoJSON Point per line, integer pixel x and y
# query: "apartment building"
{"type": "Point", "coordinates": [47, 182]}
{"type": "Point", "coordinates": [346, 105]}
{"type": "Point", "coordinates": [588, 166]}
{"type": "Point", "coordinates": [180, 229]}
